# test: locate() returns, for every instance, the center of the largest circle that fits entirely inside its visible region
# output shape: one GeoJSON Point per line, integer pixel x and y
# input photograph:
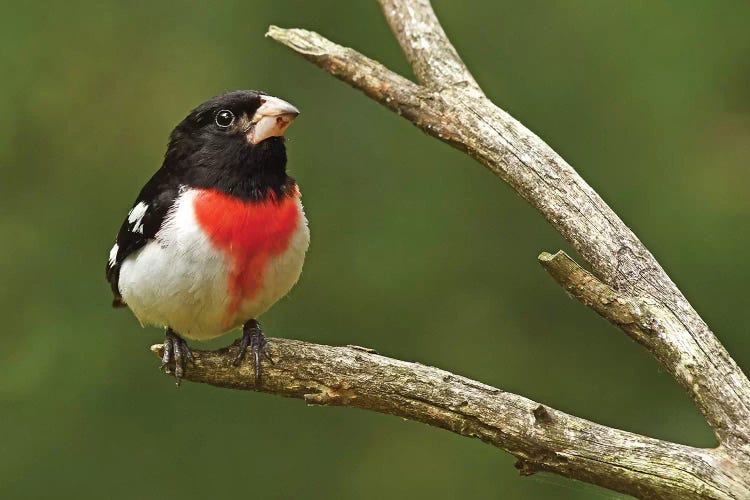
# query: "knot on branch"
{"type": "Point", "coordinates": [336, 395]}
{"type": "Point", "coordinates": [542, 461]}
{"type": "Point", "coordinates": [541, 415]}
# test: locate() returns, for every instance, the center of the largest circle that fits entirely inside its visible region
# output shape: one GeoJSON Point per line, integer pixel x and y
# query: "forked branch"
{"type": "Point", "coordinates": [628, 287]}
{"type": "Point", "coordinates": [466, 119]}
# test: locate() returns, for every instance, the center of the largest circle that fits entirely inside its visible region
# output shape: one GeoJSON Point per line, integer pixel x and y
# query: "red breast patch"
{"type": "Point", "coordinates": [249, 233]}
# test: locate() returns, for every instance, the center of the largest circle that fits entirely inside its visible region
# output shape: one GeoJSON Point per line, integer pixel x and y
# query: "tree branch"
{"type": "Point", "coordinates": [643, 319]}
{"type": "Point", "coordinates": [470, 122]}
{"type": "Point", "coordinates": [543, 439]}
{"type": "Point", "coordinates": [434, 60]}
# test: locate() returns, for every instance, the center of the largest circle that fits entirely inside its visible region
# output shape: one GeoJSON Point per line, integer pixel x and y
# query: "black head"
{"type": "Point", "coordinates": [233, 142]}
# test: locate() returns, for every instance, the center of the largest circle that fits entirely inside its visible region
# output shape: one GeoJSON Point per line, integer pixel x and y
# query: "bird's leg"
{"type": "Point", "coordinates": [177, 350]}
{"type": "Point", "coordinates": [253, 337]}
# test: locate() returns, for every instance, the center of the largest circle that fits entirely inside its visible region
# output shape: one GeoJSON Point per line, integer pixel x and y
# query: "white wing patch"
{"type": "Point", "coordinates": [135, 217]}
{"type": "Point", "coordinates": [113, 255]}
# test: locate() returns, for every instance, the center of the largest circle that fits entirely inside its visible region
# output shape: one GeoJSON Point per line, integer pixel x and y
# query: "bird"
{"type": "Point", "coordinates": [218, 234]}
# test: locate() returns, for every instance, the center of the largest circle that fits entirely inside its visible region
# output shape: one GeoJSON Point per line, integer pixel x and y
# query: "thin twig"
{"type": "Point", "coordinates": [644, 320]}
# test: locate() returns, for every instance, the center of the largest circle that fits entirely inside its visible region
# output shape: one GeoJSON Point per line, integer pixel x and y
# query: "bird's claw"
{"type": "Point", "coordinates": [176, 351]}
{"type": "Point", "coordinates": [252, 337]}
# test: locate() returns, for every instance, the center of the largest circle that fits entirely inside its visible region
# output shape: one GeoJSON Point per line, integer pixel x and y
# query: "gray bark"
{"type": "Point", "coordinates": [542, 438]}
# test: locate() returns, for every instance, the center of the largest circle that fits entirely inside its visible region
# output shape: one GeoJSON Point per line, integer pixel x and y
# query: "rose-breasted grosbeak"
{"type": "Point", "coordinates": [218, 234]}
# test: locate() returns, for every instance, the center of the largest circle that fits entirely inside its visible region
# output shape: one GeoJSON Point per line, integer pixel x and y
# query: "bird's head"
{"type": "Point", "coordinates": [240, 130]}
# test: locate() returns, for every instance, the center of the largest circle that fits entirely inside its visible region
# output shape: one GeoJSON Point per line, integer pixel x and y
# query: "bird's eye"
{"type": "Point", "coordinates": [224, 118]}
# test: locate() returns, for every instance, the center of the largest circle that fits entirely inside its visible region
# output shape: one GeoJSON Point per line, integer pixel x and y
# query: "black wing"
{"type": "Point", "coordinates": [142, 223]}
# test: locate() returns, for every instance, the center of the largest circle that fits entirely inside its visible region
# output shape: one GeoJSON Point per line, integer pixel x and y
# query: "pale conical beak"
{"type": "Point", "coordinates": [271, 119]}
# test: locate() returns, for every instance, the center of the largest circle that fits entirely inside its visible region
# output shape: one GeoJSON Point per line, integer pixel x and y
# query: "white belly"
{"type": "Point", "coordinates": [180, 280]}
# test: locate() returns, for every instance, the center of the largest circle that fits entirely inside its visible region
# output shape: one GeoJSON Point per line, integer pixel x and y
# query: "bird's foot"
{"type": "Point", "coordinates": [176, 350]}
{"type": "Point", "coordinates": [252, 336]}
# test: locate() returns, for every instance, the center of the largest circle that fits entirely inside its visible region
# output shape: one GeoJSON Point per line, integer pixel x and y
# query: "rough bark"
{"type": "Point", "coordinates": [466, 119]}
{"type": "Point", "coordinates": [542, 438]}
{"type": "Point", "coordinates": [628, 287]}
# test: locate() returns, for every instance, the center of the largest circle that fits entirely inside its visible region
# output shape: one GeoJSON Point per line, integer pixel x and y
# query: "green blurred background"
{"type": "Point", "coordinates": [417, 251]}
